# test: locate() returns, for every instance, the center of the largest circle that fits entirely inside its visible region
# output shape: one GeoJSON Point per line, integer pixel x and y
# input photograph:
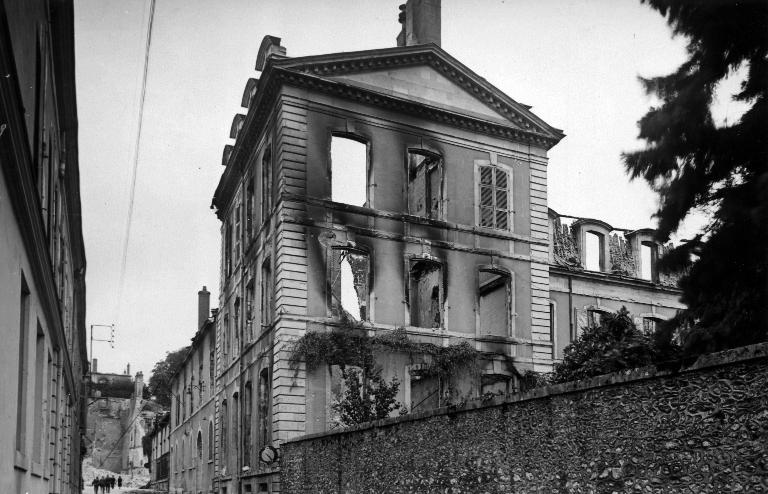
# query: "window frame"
{"type": "Point", "coordinates": [510, 210]}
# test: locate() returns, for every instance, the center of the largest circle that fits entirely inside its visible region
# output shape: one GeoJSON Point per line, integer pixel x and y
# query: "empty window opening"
{"type": "Point", "coordinates": [349, 171]}
{"type": "Point", "coordinates": [494, 295]}
{"type": "Point", "coordinates": [350, 271]}
{"type": "Point", "coordinates": [249, 205]}
{"type": "Point", "coordinates": [647, 260]}
{"type": "Point", "coordinates": [250, 295]}
{"type": "Point", "coordinates": [425, 294]}
{"type": "Point", "coordinates": [594, 251]}
{"type": "Point", "coordinates": [495, 203]}
{"type": "Point", "coordinates": [424, 184]}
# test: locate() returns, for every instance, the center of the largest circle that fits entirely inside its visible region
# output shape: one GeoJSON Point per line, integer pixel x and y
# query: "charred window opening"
{"type": "Point", "coordinates": [425, 171]}
{"type": "Point", "coordinates": [266, 295]}
{"type": "Point", "coordinates": [495, 302]}
{"type": "Point", "coordinates": [648, 256]}
{"type": "Point", "coordinates": [425, 294]}
{"type": "Point", "coordinates": [495, 201]}
{"type": "Point", "coordinates": [266, 184]}
{"type": "Point", "coordinates": [594, 254]}
{"type": "Point", "coordinates": [349, 171]}
{"type": "Point", "coordinates": [350, 272]}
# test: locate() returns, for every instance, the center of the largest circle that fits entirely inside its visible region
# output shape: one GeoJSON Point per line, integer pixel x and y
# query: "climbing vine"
{"type": "Point", "coordinates": [350, 345]}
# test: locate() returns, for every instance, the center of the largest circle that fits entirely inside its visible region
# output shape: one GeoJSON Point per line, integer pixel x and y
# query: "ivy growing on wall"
{"type": "Point", "coordinates": [351, 346]}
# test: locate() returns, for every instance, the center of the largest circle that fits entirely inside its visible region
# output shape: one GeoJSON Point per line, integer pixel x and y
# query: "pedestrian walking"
{"type": "Point", "coordinates": [95, 485]}
{"type": "Point", "coordinates": [119, 482]}
{"type": "Point", "coordinates": [107, 485]}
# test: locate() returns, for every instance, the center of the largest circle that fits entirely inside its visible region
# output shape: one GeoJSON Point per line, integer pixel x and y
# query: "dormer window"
{"type": "Point", "coordinates": [425, 171]}
{"type": "Point", "coordinates": [349, 170]}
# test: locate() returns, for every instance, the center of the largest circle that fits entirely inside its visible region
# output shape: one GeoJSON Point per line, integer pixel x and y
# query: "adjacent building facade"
{"type": "Point", "coordinates": [184, 446]}
{"type": "Point", "coordinates": [398, 188]}
{"type": "Point", "coordinates": [42, 261]}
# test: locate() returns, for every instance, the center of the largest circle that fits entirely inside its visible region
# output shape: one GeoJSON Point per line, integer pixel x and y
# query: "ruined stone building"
{"type": "Point", "coordinates": [397, 188]}
{"type": "Point", "coordinates": [118, 418]}
{"type": "Point", "coordinates": [42, 259]}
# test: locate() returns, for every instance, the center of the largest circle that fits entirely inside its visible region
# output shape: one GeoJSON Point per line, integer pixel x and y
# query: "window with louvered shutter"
{"type": "Point", "coordinates": [495, 204]}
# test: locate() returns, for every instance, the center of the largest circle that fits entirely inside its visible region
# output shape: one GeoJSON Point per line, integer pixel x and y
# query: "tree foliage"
{"type": "Point", "coordinates": [367, 396]}
{"type": "Point", "coordinates": [694, 164]}
{"type": "Point", "coordinates": [162, 372]}
{"type": "Point", "coordinates": [614, 345]}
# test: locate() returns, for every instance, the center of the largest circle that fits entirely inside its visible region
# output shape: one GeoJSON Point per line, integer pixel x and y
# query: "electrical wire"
{"type": "Point", "coordinates": [132, 193]}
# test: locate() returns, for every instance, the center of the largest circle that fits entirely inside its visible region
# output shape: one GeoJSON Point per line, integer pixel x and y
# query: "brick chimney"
{"type": "Point", "coordinates": [203, 306]}
{"type": "Point", "coordinates": [421, 23]}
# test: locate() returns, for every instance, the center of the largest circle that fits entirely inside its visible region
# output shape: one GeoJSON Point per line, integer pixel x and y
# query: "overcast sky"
{"type": "Point", "coordinates": [575, 62]}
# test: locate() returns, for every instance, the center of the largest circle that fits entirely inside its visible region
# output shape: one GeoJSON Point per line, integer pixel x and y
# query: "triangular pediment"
{"type": "Point", "coordinates": [426, 76]}
{"type": "Point", "coordinates": [422, 84]}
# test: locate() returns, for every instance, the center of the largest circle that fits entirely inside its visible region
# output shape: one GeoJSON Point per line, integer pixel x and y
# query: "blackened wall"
{"type": "Point", "coordinates": [704, 429]}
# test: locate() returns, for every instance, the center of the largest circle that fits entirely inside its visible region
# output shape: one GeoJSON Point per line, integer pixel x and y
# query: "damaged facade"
{"type": "Point", "coordinates": [397, 188]}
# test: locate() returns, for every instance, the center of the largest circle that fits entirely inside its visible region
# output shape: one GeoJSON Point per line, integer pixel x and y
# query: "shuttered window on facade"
{"type": "Point", "coordinates": [495, 201]}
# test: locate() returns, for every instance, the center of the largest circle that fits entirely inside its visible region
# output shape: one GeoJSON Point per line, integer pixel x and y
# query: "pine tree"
{"type": "Point", "coordinates": [694, 164]}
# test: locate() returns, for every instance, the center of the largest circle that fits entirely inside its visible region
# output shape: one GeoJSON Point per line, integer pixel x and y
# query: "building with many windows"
{"type": "Point", "coordinates": [398, 189]}
{"type": "Point", "coordinates": [42, 260]}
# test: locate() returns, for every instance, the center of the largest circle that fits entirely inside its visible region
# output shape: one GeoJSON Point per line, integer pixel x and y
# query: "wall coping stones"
{"type": "Point", "coordinates": [741, 355]}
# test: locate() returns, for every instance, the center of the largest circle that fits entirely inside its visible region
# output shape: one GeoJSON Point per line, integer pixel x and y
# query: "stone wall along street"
{"type": "Point", "coordinates": [703, 429]}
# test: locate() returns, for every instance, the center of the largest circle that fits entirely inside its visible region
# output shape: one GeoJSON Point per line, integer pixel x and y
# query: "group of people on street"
{"type": "Point", "coordinates": [105, 484]}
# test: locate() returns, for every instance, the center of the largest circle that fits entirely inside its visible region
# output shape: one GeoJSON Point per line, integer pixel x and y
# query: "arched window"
{"type": "Point", "coordinates": [349, 170]}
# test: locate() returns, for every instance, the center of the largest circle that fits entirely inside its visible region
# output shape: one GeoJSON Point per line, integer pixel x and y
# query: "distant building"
{"type": "Point", "coordinates": [42, 259]}
{"type": "Point", "coordinates": [118, 419]}
{"type": "Point", "coordinates": [189, 439]}
{"type": "Point", "coordinates": [398, 187]}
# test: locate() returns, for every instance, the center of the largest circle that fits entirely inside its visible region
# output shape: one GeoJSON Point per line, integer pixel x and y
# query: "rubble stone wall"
{"type": "Point", "coordinates": [703, 429]}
